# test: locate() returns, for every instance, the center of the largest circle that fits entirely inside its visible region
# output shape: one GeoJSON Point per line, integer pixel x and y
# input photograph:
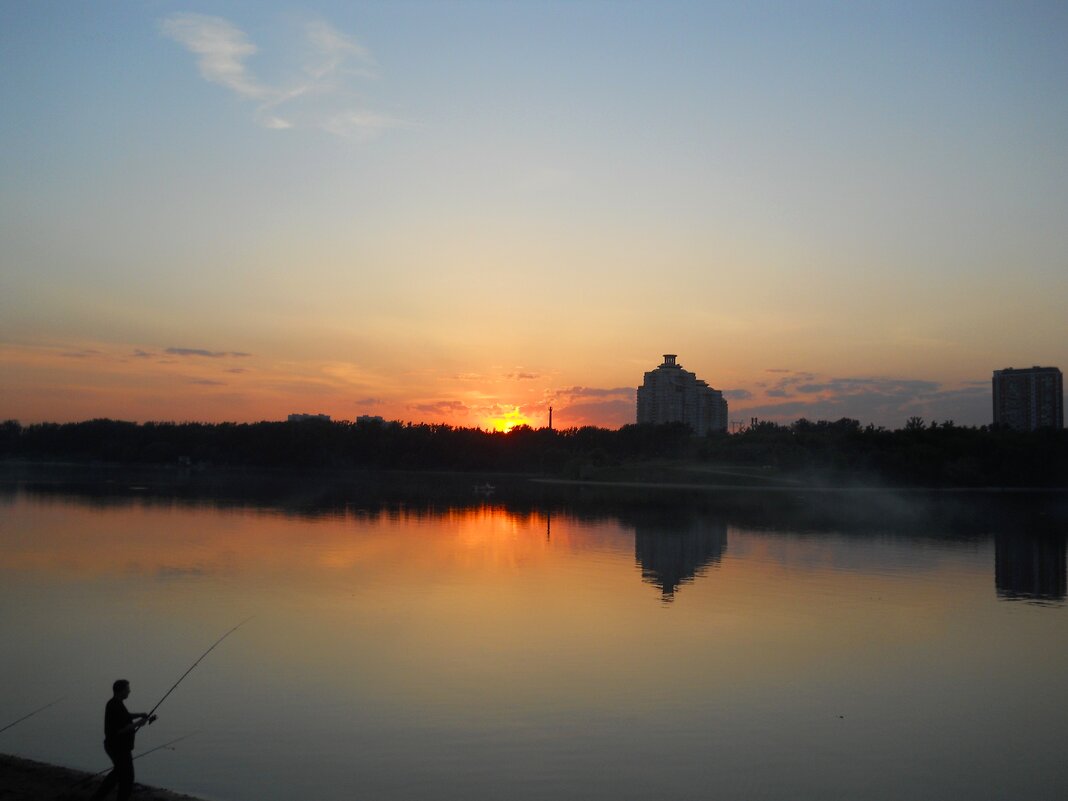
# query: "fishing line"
{"type": "Point", "coordinates": [25, 717]}
{"type": "Point", "coordinates": [159, 747]}
{"type": "Point", "coordinates": [190, 670]}
{"type": "Point", "coordinates": [168, 745]}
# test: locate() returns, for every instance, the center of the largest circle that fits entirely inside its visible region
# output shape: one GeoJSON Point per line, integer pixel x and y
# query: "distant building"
{"type": "Point", "coordinates": [370, 420]}
{"type": "Point", "coordinates": [300, 418]}
{"type": "Point", "coordinates": [1029, 398]}
{"type": "Point", "coordinates": [670, 394]}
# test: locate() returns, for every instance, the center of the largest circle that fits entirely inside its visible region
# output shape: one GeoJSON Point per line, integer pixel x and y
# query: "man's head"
{"type": "Point", "coordinates": [121, 688]}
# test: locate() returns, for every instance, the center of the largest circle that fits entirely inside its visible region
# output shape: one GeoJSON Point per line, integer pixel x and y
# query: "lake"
{"type": "Point", "coordinates": [411, 639]}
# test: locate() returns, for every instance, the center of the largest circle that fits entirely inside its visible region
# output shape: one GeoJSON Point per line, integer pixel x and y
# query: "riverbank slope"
{"type": "Point", "coordinates": [26, 780]}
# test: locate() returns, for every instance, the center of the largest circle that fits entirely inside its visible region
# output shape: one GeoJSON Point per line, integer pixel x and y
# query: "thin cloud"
{"type": "Point", "coordinates": [441, 407]}
{"type": "Point", "coordinates": [592, 406]}
{"type": "Point", "coordinates": [207, 382]}
{"type": "Point", "coordinates": [88, 353]}
{"type": "Point", "coordinates": [737, 394]}
{"type": "Point", "coordinates": [790, 383]}
{"type": "Point", "coordinates": [595, 392]}
{"type": "Point", "coordinates": [319, 93]}
{"type": "Point", "coordinates": [358, 123]}
{"type": "Point", "coordinates": [879, 400]}
{"type": "Point", "coordinates": [175, 572]}
{"type": "Point", "coordinates": [602, 413]}
{"type": "Point", "coordinates": [209, 354]}
{"type": "Point", "coordinates": [330, 50]}
{"type": "Point", "coordinates": [221, 49]}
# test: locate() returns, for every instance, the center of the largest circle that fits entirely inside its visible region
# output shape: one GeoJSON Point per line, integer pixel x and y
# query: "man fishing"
{"type": "Point", "coordinates": [120, 726]}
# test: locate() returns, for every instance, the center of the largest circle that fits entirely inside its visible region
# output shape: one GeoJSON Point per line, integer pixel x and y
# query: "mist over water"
{"type": "Point", "coordinates": [414, 640]}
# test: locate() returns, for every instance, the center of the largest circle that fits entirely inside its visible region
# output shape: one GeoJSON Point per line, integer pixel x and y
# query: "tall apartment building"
{"type": "Point", "coordinates": [670, 394]}
{"type": "Point", "coordinates": [1029, 398]}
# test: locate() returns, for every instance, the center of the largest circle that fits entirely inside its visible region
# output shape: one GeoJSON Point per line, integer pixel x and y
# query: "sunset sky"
{"type": "Point", "coordinates": [466, 212]}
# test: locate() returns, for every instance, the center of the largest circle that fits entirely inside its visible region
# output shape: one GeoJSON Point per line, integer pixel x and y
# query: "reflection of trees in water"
{"type": "Point", "coordinates": [673, 553]}
{"type": "Point", "coordinates": [1030, 566]}
{"type": "Point", "coordinates": [370, 494]}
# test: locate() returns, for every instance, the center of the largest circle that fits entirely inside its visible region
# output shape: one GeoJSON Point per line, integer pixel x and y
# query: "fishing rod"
{"type": "Point", "coordinates": [148, 718]}
{"type": "Point", "coordinates": [25, 717]}
{"type": "Point", "coordinates": [166, 745]}
{"type": "Point", "coordinates": [160, 747]}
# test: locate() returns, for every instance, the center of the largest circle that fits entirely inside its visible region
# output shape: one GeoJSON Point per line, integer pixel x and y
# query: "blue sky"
{"type": "Point", "coordinates": [401, 207]}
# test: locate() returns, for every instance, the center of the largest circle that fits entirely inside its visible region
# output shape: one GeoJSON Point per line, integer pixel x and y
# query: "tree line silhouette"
{"type": "Point", "coordinates": [927, 454]}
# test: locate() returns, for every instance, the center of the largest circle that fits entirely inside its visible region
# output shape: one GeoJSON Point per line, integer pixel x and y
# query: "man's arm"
{"type": "Point", "coordinates": [139, 719]}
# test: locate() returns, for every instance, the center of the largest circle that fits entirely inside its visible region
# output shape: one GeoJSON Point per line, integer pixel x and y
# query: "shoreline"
{"type": "Point", "coordinates": [24, 779]}
{"type": "Point", "coordinates": [795, 488]}
{"type": "Point", "coordinates": [13, 470]}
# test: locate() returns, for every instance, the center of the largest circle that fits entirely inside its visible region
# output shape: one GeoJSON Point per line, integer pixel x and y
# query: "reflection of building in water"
{"type": "Point", "coordinates": [671, 554]}
{"type": "Point", "coordinates": [1030, 566]}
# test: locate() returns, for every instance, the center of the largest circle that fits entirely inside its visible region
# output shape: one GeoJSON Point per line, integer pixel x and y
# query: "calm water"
{"type": "Point", "coordinates": [537, 647]}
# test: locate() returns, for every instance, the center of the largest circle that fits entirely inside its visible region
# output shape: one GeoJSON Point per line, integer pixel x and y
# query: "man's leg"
{"type": "Point", "coordinates": [124, 769]}
{"type": "Point", "coordinates": [111, 779]}
{"type": "Point", "coordinates": [105, 786]}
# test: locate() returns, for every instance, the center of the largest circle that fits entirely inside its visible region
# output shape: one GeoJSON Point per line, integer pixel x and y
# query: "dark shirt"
{"type": "Point", "coordinates": [117, 718]}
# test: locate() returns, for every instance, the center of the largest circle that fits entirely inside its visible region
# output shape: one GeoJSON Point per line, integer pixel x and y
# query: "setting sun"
{"type": "Point", "coordinates": [507, 421]}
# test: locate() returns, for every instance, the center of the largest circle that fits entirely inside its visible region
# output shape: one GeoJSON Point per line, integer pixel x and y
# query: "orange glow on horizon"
{"type": "Point", "coordinates": [507, 421]}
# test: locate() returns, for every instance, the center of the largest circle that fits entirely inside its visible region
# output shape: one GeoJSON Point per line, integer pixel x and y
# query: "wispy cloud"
{"type": "Point", "coordinates": [331, 49]}
{"type": "Point", "coordinates": [178, 572]}
{"type": "Point", "coordinates": [610, 413]}
{"type": "Point", "coordinates": [883, 400]}
{"type": "Point", "coordinates": [209, 354]}
{"type": "Point", "coordinates": [445, 408]}
{"type": "Point", "coordinates": [599, 406]}
{"type": "Point", "coordinates": [358, 123]}
{"type": "Point", "coordinates": [319, 93]}
{"type": "Point", "coordinates": [88, 353]}
{"type": "Point", "coordinates": [737, 394]}
{"type": "Point", "coordinates": [572, 393]}
{"type": "Point", "coordinates": [221, 49]}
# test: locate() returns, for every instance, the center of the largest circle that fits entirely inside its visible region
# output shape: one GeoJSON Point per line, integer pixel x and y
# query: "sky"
{"type": "Point", "coordinates": [466, 212]}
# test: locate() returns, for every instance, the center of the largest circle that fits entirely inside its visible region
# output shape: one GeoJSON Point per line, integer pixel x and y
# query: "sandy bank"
{"type": "Point", "coordinates": [26, 780]}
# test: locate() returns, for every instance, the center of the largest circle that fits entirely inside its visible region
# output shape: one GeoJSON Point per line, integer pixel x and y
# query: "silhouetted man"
{"type": "Point", "coordinates": [120, 726]}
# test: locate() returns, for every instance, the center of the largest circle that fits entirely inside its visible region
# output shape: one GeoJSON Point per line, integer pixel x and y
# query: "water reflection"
{"type": "Point", "coordinates": [675, 552]}
{"type": "Point", "coordinates": [677, 536]}
{"type": "Point", "coordinates": [442, 647]}
{"type": "Point", "coordinates": [1030, 565]}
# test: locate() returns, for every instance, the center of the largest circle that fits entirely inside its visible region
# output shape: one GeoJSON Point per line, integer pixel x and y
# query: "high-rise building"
{"type": "Point", "coordinates": [670, 394]}
{"type": "Point", "coordinates": [1029, 398]}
